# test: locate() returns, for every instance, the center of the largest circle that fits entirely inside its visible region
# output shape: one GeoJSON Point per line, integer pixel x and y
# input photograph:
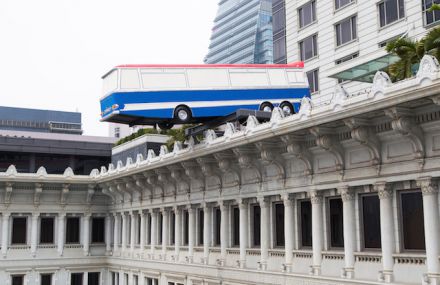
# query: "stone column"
{"type": "Point", "coordinates": [5, 233]}
{"type": "Point", "coordinates": [85, 277]}
{"type": "Point", "coordinates": [244, 230]}
{"type": "Point", "coordinates": [165, 231]}
{"type": "Point", "coordinates": [61, 232]}
{"type": "Point", "coordinates": [224, 229]}
{"type": "Point", "coordinates": [116, 233]}
{"type": "Point", "coordinates": [317, 232]}
{"type": "Point", "coordinates": [124, 232]}
{"type": "Point", "coordinates": [264, 232]}
{"type": "Point", "coordinates": [86, 235]}
{"type": "Point", "coordinates": [132, 231]}
{"type": "Point", "coordinates": [34, 233]}
{"type": "Point", "coordinates": [386, 230]}
{"type": "Point", "coordinates": [191, 232]}
{"type": "Point", "coordinates": [288, 231]}
{"type": "Point", "coordinates": [142, 229]}
{"type": "Point", "coordinates": [432, 228]}
{"type": "Point", "coordinates": [207, 222]}
{"type": "Point", "coordinates": [121, 278]}
{"type": "Point", "coordinates": [108, 234]}
{"type": "Point", "coordinates": [177, 232]}
{"type": "Point", "coordinates": [348, 198]}
{"type": "Point", "coordinates": [153, 232]}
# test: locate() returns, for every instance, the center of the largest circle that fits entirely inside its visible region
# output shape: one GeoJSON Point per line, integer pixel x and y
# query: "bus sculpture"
{"type": "Point", "coordinates": [179, 94]}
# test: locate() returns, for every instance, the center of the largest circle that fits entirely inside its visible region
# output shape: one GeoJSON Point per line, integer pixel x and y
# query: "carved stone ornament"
{"type": "Point", "coordinates": [428, 68]}
{"type": "Point", "coordinates": [381, 80]}
{"type": "Point", "coordinates": [139, 158]}
{"type": "Point", "coordinates": [210, 136]}
{"type": "Point", "coordinates": [315, 197]}
{"type": "Point", "coordinates": [428, 186]}
{"type": "Point", "coordinates": [177, 147]}
{"type": "Point", "coordinates": [111, 167]}
{"type": "Point", "coordinates": [384, 190]}
{"type": "Point", "coordinates": [94, 173]}
{"type": "Point", "coordinates": [103, 170]}
{"type": "Point", "coordinates": [41, 171]}
{"type": "Point", "coordinates": [163, 150]}
{"type": "Point", "coordinates": [277, 115]}
{"type": "Point", "coordinates": [339, 97]}
{"type": "Point", "coordinates": [37, 193]}
{"type": "Point", "coordinates": [306, 107]}
{"type": "Point", "coordinates": [150, 155]}
{"type": "Point", "coordinates": [229, 130]}
{"type": "Point", "coordinates": [129, 161]}
{"type": "Point", "coordinates": [68, 172]}
{"type": "Point", "coordinates": [251, 123]}
{"type": "Point", "coordinates": [347, 194]}
{"type": "Point", "coordinates": [11, 171]}
{"type": "Point", "coordinates": [119, 165]}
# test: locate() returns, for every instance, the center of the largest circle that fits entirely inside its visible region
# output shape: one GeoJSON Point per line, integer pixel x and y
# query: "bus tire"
{"type": "Point", "coordinates": [287, 108]}
{"type": "Point", "coordinates": [266, 107]}
{"type": "Point", "coordinates": [182, 114]}
{"type": "Point", "coordinates": [165, 126]}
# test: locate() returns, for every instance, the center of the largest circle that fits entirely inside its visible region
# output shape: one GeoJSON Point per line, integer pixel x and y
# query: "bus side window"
{"type": "Point", "coordinates": [277, 77]}
{"type": "Point", "coordinates": [245, 78]}
{"type": "Point", "coordinates": [199, 78]}
{"type": "Point", "coordinates": [130, 79]}
{"type": "Point", "coordinates": [295, 77]}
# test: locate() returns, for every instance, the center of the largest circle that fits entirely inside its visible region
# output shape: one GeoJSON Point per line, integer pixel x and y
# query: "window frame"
{"type": "Point", "coordinates": [401, 225]}
{"type": "Point", "coordinates": [312, 3]}
{"type": "Point", "coordinates": [343, 6]}
{"type": "Point", "coordinates": [79, 230]}
{"type": "Point", "coordinates": [26, 233]}
{"type": "Point", "coordinates": [315, 80]}
{"type": "Point", "coordinates": [424, 11]}
{"type": "Point", "coordinates": [93, 218]}
{"type": "Point", "coordinates": [349, 18]}
{"type": "Point", "coordinates": [399, 17]}
{"type": "Point", "coordinates": [315, 52]}
{"type": "Point", "coordinates": [329, 224]}
{"type": "Point", "coordinates": [40, 229]}
{"type": "Point", "coordinates": [300, 225]}
{"type": "Point", "coordinates": [361, 223]}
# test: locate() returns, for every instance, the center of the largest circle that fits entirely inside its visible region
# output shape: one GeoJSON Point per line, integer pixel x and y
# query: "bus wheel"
{"type": "Point", "coordinates": [287, 108]}
{"type": "Point", "coordinates": [266, 107]}
{"type": "Point", "coordinates": [183, 114]}
{"type": "Point", "coordinates": [165, 126]}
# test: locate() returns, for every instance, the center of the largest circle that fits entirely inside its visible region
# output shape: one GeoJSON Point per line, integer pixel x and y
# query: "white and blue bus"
{"type": "Point", "coordinates": [180, 94]}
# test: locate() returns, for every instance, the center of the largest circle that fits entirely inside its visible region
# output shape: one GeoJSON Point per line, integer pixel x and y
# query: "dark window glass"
{"type": "Point", "coordinates": [342, 3]}
{"type": "Point", "coordinates": [46, 279]}
{"type": "Point", "coordinates": [201, 226]}
{"type": "Point", "coordinates": [308, 48]}
{"type": "Point", "coordinates": [138, 237]}
{"type": "Point", "coordinates": [159, 227]}
{"type": "Point", "coordinates": [72, 230]}
{"type": "Point", "coordinates": [279, 50]}
{"type": "Point", "coordinates": [306, 223]}
{"type": "Point", "coordinates": [172, 228]}
{"type": "Point", "coordinates": [114, 278]}
{"type": "Point", "coordinates": [257, 225]}
{"type": "Point", "coordinates": [279, 225]}
{"type": "Point", "coordinates": [17, 280]}
{"type": "Point", "coordinates": [217, 217]}
{"type": "Point", "coordinates": [346, 31]}
{"type": "Point", "coordinates": [149, 229]}
{"type": "Point", "coordinates": [19, 229]}
{"type": "Point", "coordinates": [135, 280]}
{"type": "Point", "coordinates": [98, 230]}
{"type": "Point", "coordinates": [47, 230]}
{"type": "Point", "coordinates": [185, 227]}
{"type": "Point", "coordinates": [430, 17]}
{"type": "Point", "coordinates": [336, 223]}
{"type": "Point", "coordinates": [307, 14]}
{"type": "Point", "coordinates": [412, 221]}
{"type": "Point", "coordinates": [236, 226]}
{"type": "Point", "coordinates": [391, 11]}
{"type": "Point", "coordinates": [279, 20]}
{"type": "Point", "coordinates": [76, 279]}
{"type": "Point", "coordinates": [312, 77]}
{"type": "Point", "coordinates": [93, 278]}
{"type": "Point", "coordinates": [371, 221]}
{"type": "Point", "coordinates": [23, 162]}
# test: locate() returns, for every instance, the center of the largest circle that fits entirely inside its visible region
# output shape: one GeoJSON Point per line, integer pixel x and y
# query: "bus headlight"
{"type": "Point", "coordinates": [115, 106]}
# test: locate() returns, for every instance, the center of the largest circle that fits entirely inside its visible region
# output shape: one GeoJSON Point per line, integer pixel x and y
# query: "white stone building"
{"type": "Point", "coordinates": [341, 193]}
{"type": "Point", "coordinates": [345, 39]}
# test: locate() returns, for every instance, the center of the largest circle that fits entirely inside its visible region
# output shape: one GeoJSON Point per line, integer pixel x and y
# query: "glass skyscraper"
{"type": "Point", "coordinates": [242, 32]}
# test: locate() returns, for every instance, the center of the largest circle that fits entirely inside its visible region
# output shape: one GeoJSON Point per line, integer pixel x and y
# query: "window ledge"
{"type": "Point", "coordinates": [311, 59]}
{"type": "Point", "coordinates": [306, 26]}
{"type": "Point", "coordinates": [392, 24]}
{"type": "Point", "coordinates": [343, 7]}
{"type": "Point", "coordinates": [347, 43]}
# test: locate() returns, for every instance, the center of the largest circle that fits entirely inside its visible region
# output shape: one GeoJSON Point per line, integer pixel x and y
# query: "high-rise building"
{"type": "Point", "coordinates": [242, 32]}
{"type": "Point", "coordinates": [343, 41]}
{"type": "Point", "coordinates": [279, 31]}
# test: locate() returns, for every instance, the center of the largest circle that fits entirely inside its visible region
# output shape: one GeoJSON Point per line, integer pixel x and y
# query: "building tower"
{"type": "Point", "coordinates": [242, 32]}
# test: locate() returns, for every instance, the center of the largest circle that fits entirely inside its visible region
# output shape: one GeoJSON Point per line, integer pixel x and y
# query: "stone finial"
{"type": "Point", "coordinates": [339, 97]}
{"type": "Point", "coordinates": [381, 80]}
{"type": "Point", "coordinates": [306, 107]}
{"type": "Point", "coordinates": [177, 147]}
{"type": "Point", "coordinates": [150, 155]}
{"type": "Point", "coordinates": [139, 158]}
{"type": "Point", "coordinates": [68, 172]}
{"type": "Point", "coordinates": [103, 170]}
{"type": "Point", "coordinates": [94, 173]}
{"type": "Point", "coordinates": [11, 171]}
{"type": "Point", "coordinates": [41, 171]}
{"type": "Point", "coordinates": [119, 165]}
{"type": "Point", "coordinates": [111, 167]}
{"type": "Point", "coordinates": [251, 123]}
{"type": "Point", "coordinates": [163, 150]}
{"type": "Point", "coordinates": [210, 135]}
{"type": "Point", "coordinates": [190, 142]}
{"type": "Point", "coordinates": [277, 115]}
{"type": "Point", "coordinates": [229, 130]}
{"type": "Point", "coordinates": [129, 161]}
{"type": "Point", "coordinates": [428, 68]}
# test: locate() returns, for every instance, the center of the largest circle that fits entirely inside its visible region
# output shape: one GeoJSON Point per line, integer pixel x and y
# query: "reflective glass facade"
{"type": "Point", "coordinates": [242, 32]}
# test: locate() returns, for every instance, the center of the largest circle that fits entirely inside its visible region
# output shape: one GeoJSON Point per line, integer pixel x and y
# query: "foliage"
{"type": "Point", "coordinates": [410, 53]}
{"type": "Point", "coordinates": [432, 42]}
{"type": "Point", "coordinates": [175, 134]}
{"type": "Point", "coordinates": [434, 7]}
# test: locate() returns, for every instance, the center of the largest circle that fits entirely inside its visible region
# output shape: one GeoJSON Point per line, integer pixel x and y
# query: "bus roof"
{"type": "Point", "coordinates": [298, 64]}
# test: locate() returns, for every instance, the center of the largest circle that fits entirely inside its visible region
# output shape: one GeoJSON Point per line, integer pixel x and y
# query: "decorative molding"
{"type": "Point", "coordinates": [315, 197]}
{"type": "Point", "coordinates": [296, 148]}
{"type": "Point", "coordinates": [326, 141]}
{"type": "Point", "coordinates": [8, 192]}
{"type": "Point", "coordinates": [384, 190]}
{"type": "Point", "coordinates": [428, 186]}
{"type": "Point", "coordinates": [347, 193]}
{"type": "Point", "coordinates": [404, 124]}
{"type": "Point", "coordinates": [381, 81]}
{"type": "Point", "coordinates": [362, 132]}
{"type": "Point", "coordinates": [64, 193]}
{"type": "Point", "coordinates": [428, 69]}
{"type": "Point", "coordinates": [37, 193]}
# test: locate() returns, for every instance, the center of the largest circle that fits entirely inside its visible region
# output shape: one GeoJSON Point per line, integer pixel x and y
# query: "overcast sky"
{"type": "Point", "coordinates": [54, 52]}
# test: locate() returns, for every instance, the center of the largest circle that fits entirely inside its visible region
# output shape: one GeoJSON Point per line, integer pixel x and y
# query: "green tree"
{"type": "Point", "coordinates": [434, 7]}
{"type": "Point", "coordinates": [432, 42]}
{"type": "Point", "coordinates": [410, 53]}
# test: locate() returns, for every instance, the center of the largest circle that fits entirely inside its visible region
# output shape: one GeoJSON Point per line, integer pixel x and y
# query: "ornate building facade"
{"type": "Point", "coordinates": [344, 192]}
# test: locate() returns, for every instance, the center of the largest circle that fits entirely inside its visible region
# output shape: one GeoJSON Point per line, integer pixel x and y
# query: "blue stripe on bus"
{"type": "Point", "coordinates": [122, 98]}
